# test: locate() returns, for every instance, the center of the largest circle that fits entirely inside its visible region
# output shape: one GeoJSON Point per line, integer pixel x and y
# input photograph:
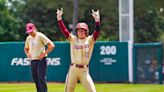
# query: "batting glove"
{"type": "Point", "coordinates": [96, 15]}
{"type": "Point", "coordinates": [59, 14]}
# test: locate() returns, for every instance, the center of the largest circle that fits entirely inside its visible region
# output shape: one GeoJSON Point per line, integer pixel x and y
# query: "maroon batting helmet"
{"type": "Point", "coordinates": [83, 26]}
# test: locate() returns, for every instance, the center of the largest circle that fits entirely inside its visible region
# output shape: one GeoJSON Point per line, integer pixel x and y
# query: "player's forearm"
{"type": "Point", "coordinates": [26, 51]}
{"type": "Point", "coordinates": [51, 46]}
{"type": "Point", "coordinates": [97, 30]}
{"type": "Point", "coordinates": [63, 28]}
{"type": "Point", "coordinates": [97, 26]}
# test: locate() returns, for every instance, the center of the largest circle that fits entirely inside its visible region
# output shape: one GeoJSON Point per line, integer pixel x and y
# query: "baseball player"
{"type": "Point", "coordinates": [81, 47]}
{"type": "Point", "coordinates": [36, 52]}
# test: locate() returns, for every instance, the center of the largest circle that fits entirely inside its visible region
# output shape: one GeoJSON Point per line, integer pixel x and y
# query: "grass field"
{"type": "Point", "coordinates": [59, 87]}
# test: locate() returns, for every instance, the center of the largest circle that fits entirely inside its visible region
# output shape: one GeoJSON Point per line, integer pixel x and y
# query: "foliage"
{"type": "Point", "coordinates": [148, 18]}
{"type": "Point", "coordinates": [148, 21]}
{"type": "Point", "coordinates": [8, 24]}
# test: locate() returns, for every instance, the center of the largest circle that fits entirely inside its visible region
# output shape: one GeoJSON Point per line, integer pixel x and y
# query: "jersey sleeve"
{"type": "Point", "coordinates": [91, 39]}
{"type": "Point", "coordinates": [71, 38]}
{"type": "Point", "coordinates": [63, 28]}
{"type": "Point", "coordinates": [44, 39]}
{"type": "Point", "coordinates": [97, 31]}
{"type": "Point", "coordinates": [26, 43]}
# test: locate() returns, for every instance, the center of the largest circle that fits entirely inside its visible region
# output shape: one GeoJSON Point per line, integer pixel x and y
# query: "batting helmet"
{"type": "Point", "coordinates": [82, 25]}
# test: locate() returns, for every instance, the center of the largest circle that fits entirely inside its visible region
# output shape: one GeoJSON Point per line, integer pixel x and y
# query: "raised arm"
{"type": "Point", "coordinates": [96, 17]}
{"type": "Point", "coordinates": [62, 27]}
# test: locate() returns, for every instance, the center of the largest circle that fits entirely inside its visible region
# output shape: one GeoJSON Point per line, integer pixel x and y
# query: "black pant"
{"type": "Point", "coordinates": [38, 69]}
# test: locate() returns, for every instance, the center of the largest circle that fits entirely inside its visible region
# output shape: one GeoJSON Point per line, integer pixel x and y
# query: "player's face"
{"type": "Point", "coordinates": [33, 33]}
{"type": "Point", "coordinates": [81, 33]}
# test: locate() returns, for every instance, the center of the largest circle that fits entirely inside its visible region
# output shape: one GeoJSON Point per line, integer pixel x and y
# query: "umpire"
{"type": "Point", "coordinates": [35, 50]}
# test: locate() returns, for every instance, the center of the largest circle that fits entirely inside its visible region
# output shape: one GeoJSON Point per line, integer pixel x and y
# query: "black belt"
{"type": "Point", "coordinates": [79, 65]}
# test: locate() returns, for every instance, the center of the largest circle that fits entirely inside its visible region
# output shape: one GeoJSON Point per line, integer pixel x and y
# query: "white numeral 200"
{"type": "Point", "coordinates": [108, 50]}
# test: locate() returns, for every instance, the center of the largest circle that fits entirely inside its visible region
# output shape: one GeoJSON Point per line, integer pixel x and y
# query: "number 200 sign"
{"type": "Point", "coordinates": [108, 50]}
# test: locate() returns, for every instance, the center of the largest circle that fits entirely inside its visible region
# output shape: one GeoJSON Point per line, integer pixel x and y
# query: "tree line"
{"type": "Point", "coordinates": [14, 14]}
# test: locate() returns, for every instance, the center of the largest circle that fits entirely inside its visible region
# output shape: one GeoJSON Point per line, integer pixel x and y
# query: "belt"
{"type": "Point", "coordinates": [39, 59]}
{"type": "Point", "coordinates": [79, 65]}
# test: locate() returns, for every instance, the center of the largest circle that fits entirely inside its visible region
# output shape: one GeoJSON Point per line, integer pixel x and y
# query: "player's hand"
{"type": "Point", "coordinates": [42, 55]}
{"type": "Point", "coordinates": [29, 55]}
{"type": "Point", "coordinates": [96, 15]}
{"type": "Point", "coordinates": [59, 14]}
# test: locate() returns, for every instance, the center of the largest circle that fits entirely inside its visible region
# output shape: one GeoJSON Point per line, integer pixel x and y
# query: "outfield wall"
{"type": "Point", "coordinates": [109, 62]}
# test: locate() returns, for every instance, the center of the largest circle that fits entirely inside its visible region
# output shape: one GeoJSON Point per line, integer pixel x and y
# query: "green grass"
{"type": "Point", "coordinates": [59, 87]}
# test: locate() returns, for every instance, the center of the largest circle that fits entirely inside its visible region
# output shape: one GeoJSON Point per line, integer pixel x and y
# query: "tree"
{"type": "Point", "coordinates": [8, 24]}
{"type": "Point", "coordinates": [147, 21]}
{"type": "Point", "coordinates": [148, 18]}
